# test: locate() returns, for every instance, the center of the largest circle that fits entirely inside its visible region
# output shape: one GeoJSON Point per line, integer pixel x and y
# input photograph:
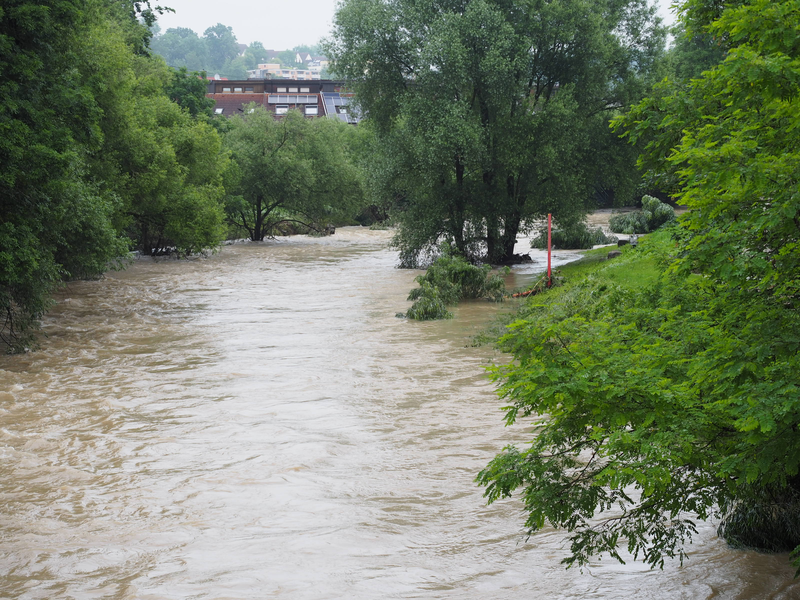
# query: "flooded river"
{"type": "Point", "coordinates": [258, 424]}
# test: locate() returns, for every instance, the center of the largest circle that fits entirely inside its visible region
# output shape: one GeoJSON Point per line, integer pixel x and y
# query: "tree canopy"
{"type": "Point", "coordinates": [55, 221]}
{"type": "Point", "coordinates": [217, 51]}
{"type": "Point", "coordinates": [680, 400]}
{"type": "Point", "coordinates": [94, 156]}
{"type": "Point", "coordinates": [289, 170]}
{"type": "Point", "coordinates": [490, 114]}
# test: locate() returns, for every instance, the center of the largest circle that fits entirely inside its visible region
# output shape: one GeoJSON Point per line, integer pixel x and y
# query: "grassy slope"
{"type": "Point", "coordinates": [635, 268]}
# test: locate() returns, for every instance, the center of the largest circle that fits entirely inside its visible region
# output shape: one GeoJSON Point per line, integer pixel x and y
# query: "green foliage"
{"type": "Point", "coordinates": [165, 166]}
{"type": "Point", "coordinates": [577, 236]}
{"type": "Point", "coordinates": [631, 222]}
{"type": "Point", "coordinates": [92, 151]}
{"type": "Point", "coordinates": [55, 220]}
{"type": "Point", "coordinates": [182, 47]}
{"type": "Point", "coordinates": [217, 52]}
{"type": "Point", "coordinates": [680, 400]}
{"type": "Point", "coordinates": [693, 53]}
{"type": "Point", "coordinates": [430, 303]}
{"type": "Point", "coordinates": [292, 169]}
{"type": "Point", "coordinates": [659, 403]}
{"type": "Point", "coordinates": [767, 520]}
{"type": "Point", "coordinates": [447, 281]}
{"type": "Point", "coordinates": [653, 215]}
{"type": "Point", "coordinates": [221, 45]}
{"type": "Point", "coordinates": [507, 116]}
{"type": "Point", "coordinates": [255, 55]}
{"type": "Point", "coordinates": [188, 90]}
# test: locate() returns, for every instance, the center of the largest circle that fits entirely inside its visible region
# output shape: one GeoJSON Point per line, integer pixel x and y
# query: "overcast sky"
{"type": "Point", "coordinates": [278, 25]}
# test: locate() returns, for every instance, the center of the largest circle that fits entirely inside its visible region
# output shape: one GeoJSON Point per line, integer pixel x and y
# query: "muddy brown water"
{"type": "Point", "coordinates": [258, 424]}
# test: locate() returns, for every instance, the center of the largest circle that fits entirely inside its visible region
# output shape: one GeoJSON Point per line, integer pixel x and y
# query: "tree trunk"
{"type": "Point", "coordinates": [457, 214]}
{"type": "Point", "coordinates": [258, 226]}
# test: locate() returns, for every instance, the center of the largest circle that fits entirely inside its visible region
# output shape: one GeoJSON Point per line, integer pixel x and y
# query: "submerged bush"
{"type": "Point", "coordinates": [449, 279]}
{"type": "Point", "coordinates": [769, 521]}
{"type": "Point", "coordinates": [653, 215]}
{"type": "Point", "coordinates": [574, 237]}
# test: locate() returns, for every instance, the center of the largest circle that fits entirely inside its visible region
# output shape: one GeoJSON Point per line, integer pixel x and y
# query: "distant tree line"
{"type": "Point", "coordinates": [217, 51]}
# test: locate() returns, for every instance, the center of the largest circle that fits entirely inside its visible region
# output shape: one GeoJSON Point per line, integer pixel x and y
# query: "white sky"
{"type": "Point", "coordinates": [279, 25]}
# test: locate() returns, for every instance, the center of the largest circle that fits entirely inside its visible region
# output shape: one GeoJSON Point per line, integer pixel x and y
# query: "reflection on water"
{"type": "Point", "coordinates": [259, 424]}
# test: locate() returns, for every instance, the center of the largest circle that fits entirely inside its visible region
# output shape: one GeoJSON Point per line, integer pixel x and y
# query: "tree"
{"type": "Point", "coordinates": [235, 68]}
{"type": "Point", "coordinates": [288, 170]}
{"type": "Point", "coordinates": [691, 54]}
{"type": "Point", "coordinates": [501, 109]}
{"type": "Point", "coordinates": [255, 55]}
{"type": "Point", "coordinates": [188, 90]}
{"type": "Point", "coordinates": [182, 47]}
{"type": "Point", "coordinates": [288, 58]}
{"type": "Point", "coordinates": [165, 165]}
{"type": "Point", "coordinates": [221, 45]}
{"type": "Point", "coordinates": [55, 220]}
{"type": "Point", "coordinates": [681, 400]}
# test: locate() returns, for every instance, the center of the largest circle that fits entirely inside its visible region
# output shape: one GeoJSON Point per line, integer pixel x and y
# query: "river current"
{"type": "Point", "coordinates": [259, 424]}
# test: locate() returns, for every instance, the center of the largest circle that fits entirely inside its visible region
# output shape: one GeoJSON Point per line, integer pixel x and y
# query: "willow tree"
{"type": "Point", "coordinates": [293, 169]}
{"type": "Point", "coordinates": [489, 113]}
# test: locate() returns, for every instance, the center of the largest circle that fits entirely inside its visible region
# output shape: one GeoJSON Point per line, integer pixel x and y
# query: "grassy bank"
{"type": "Point", "coordinates": [637, 266]}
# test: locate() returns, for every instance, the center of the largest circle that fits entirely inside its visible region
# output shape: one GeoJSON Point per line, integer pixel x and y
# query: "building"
{"type": "Point", "coordinates": [319, 98]}
{"type": "Point", "coordinates": [277, 71]}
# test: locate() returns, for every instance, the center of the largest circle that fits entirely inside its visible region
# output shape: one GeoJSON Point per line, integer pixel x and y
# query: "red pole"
{"type": "Point", "coordinates": [549, 238]}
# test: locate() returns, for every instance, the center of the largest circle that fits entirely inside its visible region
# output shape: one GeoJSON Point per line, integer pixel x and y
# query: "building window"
{"type": "Point", "coordinates": [226, 89]}
{"type": "Point", "coordinates": [305, 90]}
{"type": "Point", "coordinates": [312, 109]}
{"type": "Point", "coordinates": [247, 89]}
{"type": "Point", "coordinates": [281, 90]}
{"type": "Point", "coordinates": [218, 111]}
{"type": "Point", "coordinates": [292, 90]}
{"type": "Point", "coordinates": [237, 89]}
{"type": "Point", "coordinates": [342, 110]}
{"type": "Point", "coordinates": [281, 109]}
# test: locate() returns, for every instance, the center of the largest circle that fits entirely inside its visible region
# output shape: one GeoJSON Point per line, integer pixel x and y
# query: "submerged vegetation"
{"type": "Point", "coordinates": [447, 281]}
{"type": "Point", "coordinates": [653, 215]}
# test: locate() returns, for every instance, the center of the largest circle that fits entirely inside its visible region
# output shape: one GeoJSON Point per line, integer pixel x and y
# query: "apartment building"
{"type": "Point", "coordinates": [316, 98]}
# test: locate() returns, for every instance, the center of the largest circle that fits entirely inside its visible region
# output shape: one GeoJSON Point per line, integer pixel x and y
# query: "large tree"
{"type": "Point", "coordinates": [182, 47]}
{"type": "Point", "coordinates": [490, 114]}
{"type": "Point", "coordinates": [91, 149]}
{"type": "Point", "coordinates": [221, 46]}
{"type": "Point", "coordinates": [289, 170]}
{"type": "Point", "coordinates": [683, 400]}
{"type": "Point", "coordinates": [55, 220]}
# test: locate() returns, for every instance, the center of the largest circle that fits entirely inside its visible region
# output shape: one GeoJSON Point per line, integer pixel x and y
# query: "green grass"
{"type": "Point", "coordinates": [638, 266]}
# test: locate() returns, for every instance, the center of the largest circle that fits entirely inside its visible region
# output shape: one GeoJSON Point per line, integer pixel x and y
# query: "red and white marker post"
{"type": "Point", "coordinates": [549, 238]}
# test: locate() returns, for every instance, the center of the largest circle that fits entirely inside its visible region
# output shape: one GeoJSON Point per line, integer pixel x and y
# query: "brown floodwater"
{"type": "Point", "coordinates": [260, 424]}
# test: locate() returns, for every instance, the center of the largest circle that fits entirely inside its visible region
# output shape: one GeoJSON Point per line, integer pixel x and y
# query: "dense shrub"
{"type": "Point", "coordinates": [449, 279]}
{"type": "Point", "coordinates": [653, 215]}
{"type": "Point", "coordinates": [768, 521]}
{"type": "Point", "coordinates": [574, 237]}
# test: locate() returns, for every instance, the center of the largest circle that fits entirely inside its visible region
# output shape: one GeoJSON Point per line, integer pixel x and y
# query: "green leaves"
{"type": "Point", "coordinates": [292, 169]}
{"type": "Point", "coordinates": [500, 111]}
{"type": "Point", "coordinates": [449, 279]}
{"type": "Point", "coordinates": [684, 397]}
